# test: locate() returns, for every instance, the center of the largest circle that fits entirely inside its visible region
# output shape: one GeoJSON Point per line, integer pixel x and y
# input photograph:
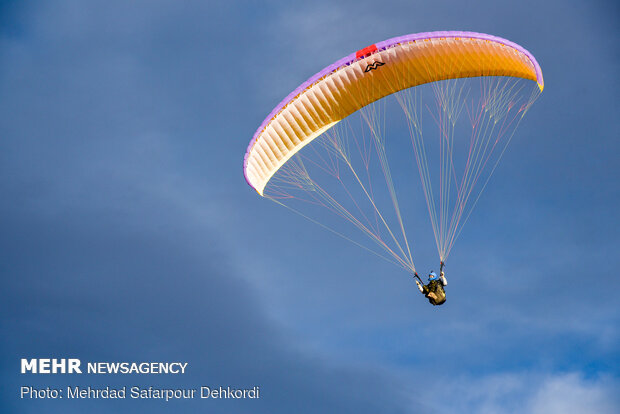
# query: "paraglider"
{"type": "Point", "coordinates": [323, 152]}
{"type": "Point", "coordinates": [434, 291]}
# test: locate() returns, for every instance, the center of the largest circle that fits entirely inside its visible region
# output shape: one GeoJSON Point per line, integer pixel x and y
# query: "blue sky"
{"type": "Point", "coordinates": [129, 233]}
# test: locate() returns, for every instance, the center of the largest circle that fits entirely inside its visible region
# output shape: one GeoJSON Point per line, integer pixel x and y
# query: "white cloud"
{"type": "Point", "coordinates": [535, 393]}
{"type": "Point", "coordinates": [571, 394]}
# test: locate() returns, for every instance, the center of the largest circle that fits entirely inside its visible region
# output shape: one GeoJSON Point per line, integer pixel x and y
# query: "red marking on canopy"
{"type": "Point", "coordinates": [365, 51]}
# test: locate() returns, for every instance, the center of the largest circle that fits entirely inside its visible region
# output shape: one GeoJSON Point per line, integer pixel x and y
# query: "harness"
{"type": "Point", "coordinates": [436, 294]}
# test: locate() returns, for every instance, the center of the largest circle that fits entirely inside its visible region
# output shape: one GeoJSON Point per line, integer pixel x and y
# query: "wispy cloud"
{"type": "Point", "coordinates": [530, 392]}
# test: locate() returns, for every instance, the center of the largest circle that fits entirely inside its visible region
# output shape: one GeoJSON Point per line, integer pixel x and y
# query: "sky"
{"type": "Point", "coordinates": [128, 233]}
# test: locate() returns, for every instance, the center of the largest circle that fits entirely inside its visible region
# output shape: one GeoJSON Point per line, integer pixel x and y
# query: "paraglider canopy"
{"type": "Point", "coordinates": [354, 82]}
